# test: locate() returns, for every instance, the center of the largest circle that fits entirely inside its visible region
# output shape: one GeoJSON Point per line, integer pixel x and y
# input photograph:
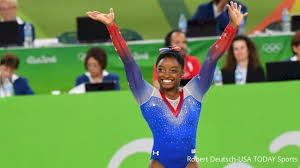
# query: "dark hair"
{"type": "Point", "coordinates": [295, 40]}
{"type": "Point", "coordinates": [230, 61]}
{"type": "Point", "coordinates": [171, 54]}
{"type": "Point", "coordinates": [98, 54]}
{"type": "Point", "coordinates": [168, 37]}
{"type": "Point", "coordinates": [216, 1]}
{"type": "Point", "coordinates": [10, 60]}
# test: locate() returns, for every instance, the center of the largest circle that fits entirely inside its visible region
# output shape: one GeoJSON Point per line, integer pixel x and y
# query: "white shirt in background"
{"type": "Point", "coordinates": [294, 58]}
{"type": "Point", "coordinates": [216, 13]}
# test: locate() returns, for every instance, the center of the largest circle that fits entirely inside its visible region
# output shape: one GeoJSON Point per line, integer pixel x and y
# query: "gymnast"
{"type": "Point", "coordinates": [171, 112]}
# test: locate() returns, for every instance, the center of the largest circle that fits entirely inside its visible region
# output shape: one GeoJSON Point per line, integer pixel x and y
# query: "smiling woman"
{"type": "Point", "coordinates": [172, 113]}
{"type": "Point", "coordinates": [170, 66]}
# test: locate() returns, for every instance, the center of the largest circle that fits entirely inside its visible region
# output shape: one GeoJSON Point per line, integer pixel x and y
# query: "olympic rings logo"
{"type": "Point", "coordinates": [272, 48]}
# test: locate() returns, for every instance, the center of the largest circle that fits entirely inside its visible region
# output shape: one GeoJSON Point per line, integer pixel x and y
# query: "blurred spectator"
{"type": "Point", "coordinates": [216, 9]}
{"type": "Point", "coordinates": [95, 63]}
{"type": "Point", "coordinates": [243, 52]}
{"type": "Point", "coordinates": [8, 65]}
{"type": "Point", "coordinates": [192, 65]}
{"type": "Point", "coordinates": [8, 11]}
{"type": "Point", "coordinates": [295, 44]}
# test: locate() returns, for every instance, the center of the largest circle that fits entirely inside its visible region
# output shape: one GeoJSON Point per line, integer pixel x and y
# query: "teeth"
{"type": "Point", "coordinates": [167, 81]}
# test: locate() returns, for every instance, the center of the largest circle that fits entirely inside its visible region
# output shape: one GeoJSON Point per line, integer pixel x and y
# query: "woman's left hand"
{"type": "Point", "coordinates": [235, 15]}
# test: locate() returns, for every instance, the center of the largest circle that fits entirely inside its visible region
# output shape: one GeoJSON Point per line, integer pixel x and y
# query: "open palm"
{"type": "Point", "coordinates": [107, 19]}
{"type": "Point", "coordinates": [235, 15]}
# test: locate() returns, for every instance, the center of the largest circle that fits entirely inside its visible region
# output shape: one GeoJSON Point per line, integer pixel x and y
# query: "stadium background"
{"type": "Point", "coordinates": [151, 18]}
{"type": "Point", "coordinates": [79, 131]}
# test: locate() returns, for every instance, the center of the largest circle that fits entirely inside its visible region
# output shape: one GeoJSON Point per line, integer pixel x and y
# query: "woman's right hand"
{"type": "Point", "coordinates": [107, 19]}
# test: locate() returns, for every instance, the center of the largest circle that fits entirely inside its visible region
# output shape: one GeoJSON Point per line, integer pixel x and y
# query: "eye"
{"type": "Point", "coordinates": [174, 70]}
{"type": "Point", "coordinates": [160, 70]}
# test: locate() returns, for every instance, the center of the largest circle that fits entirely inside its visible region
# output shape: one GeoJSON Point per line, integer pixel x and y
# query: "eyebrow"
{"type": "Point", "coordinates": [171, 67]}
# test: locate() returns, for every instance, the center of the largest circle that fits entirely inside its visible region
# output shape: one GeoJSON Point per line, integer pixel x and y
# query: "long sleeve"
{"type": "Point", "coordinates": [138, 86]}
{"type": "Point", "coordinates": [261, 74]}
{"type": "Point", "coordinates": [199, 85]}
{"type": "Point", "coordinates": [222, 21]}
{"type": "Point", "coordinates": [21, 87]}
{"type": "Point", "coordinates": [28, 89]}
{"type": "Point", "coordinates": [255, 74]}
{"type": "Point", "coordinates": [204, 11]}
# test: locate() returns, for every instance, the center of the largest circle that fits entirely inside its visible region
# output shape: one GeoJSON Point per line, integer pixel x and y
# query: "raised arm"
{"type": "Point", "coordinates": [140, 88]}
{"type": "Point", "coordinates": [199, 85]}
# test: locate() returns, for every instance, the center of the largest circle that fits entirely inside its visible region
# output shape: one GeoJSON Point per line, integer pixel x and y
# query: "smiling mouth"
{"type": "Point", "coordinates": [167, 81]}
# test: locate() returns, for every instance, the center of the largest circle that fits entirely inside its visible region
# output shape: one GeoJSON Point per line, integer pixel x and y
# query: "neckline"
{"type": "Point", "coordinates": [175, 112]}
{"type": "Point", "coordinates": [170, 100]}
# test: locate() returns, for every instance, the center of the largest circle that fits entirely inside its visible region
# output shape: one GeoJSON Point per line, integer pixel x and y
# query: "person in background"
{"type": "Point", "coordinates": [95, 63]}
{"type": "Point", "coordinates": [8, 12]}
{"type": "Point", "coordinates": [216, 9]}
{"type": "Point", "coordinates": [243, 53]}
{"type": "Point", "coordinates": [295, 44]}
{"type": "Point", "coordinates": [9, 64]}
{"type": "Point", "coordinates": [192, 65]}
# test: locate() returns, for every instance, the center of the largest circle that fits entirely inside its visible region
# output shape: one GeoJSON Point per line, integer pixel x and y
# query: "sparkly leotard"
{"type": "Point", "coordinates": [174, 130]}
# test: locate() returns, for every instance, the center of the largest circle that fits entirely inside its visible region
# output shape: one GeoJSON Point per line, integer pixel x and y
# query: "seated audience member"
{"type": "Point", "coordinates": [216, 9]}
{"type": "Point", "coordinates": [295, 47]}
{"type": "Point", "coordinates": [8, 11]}
{"type": "Point", "coordinates": [192, 65]}
{"type": "Point", "coordinates": [95, 63]}
{"type": "Point", "coordinates": [243, 53]}
{"type": "Point", "coordinates": [8, 65]}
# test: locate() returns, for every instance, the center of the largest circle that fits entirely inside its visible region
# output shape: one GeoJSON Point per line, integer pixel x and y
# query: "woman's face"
{"type": "Point", "coordinates": [6, 72]}
{"type": "Point", "coordinates": [169, 73]}
{"type": "Point", "coordinates": [178, 39]}
{"type": "Point", "coordinates": [240, 50]}
{"type": "Point", "coordinates": [93, 67]}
